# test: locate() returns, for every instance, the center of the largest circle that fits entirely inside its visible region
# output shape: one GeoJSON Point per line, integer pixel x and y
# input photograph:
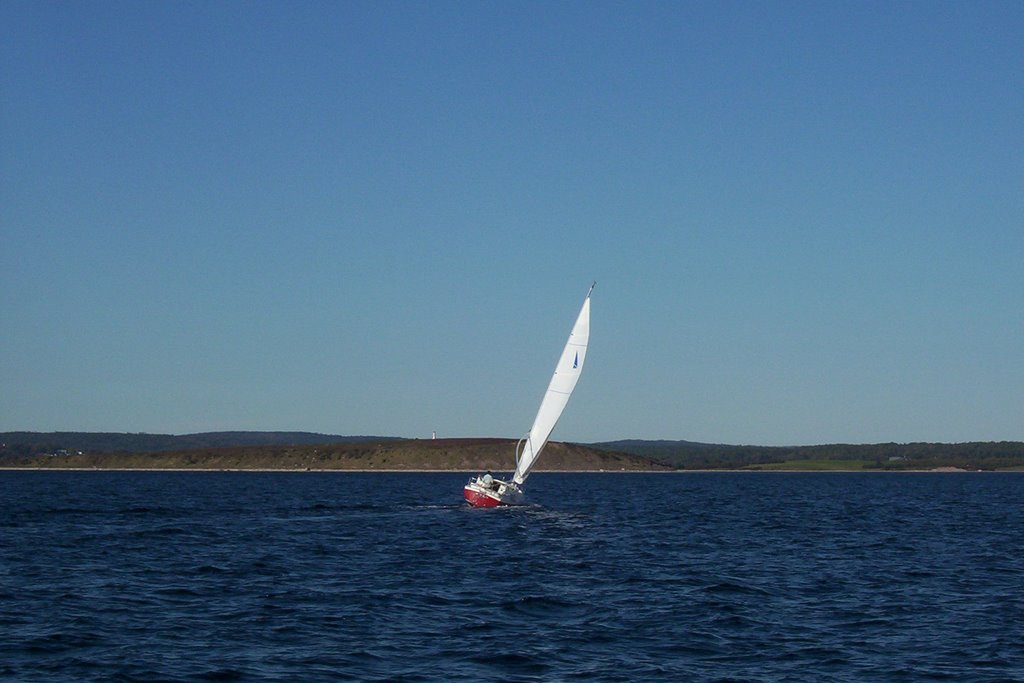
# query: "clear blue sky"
{"type": "Point", "coordinates": [806, 220]}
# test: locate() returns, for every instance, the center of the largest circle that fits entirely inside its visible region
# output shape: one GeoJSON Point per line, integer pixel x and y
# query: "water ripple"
{"type": "Point", "coordinates": [235, 576]}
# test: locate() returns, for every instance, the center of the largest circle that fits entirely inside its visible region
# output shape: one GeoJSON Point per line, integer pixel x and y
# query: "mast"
{"type": "Point", "coordinates": [567, 374]}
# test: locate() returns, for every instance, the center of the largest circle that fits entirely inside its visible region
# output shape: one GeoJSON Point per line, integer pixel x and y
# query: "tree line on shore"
{"type": "Point", "coordinates": [977, 455]}
{"type": "Point", "coordinates": [30, 444]}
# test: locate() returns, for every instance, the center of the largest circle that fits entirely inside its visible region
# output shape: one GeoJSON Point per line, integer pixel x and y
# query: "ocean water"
{"type": "Point", "coordinates": [120, 576]}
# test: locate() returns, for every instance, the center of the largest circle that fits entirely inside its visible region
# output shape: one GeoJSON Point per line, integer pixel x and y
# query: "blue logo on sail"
{"type": "Point", "coordinates": [576, 361]}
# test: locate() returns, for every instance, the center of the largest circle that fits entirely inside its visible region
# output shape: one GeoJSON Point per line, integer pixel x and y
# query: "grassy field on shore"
{"type": "Point", "coordinates": [814, 466]}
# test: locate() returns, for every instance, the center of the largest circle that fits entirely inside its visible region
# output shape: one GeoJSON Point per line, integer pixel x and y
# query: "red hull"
{"type": "Point", "coordinates": [479, 500]}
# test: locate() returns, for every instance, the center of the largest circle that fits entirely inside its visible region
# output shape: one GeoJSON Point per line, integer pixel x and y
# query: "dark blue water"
{"type": "Point", "coordinates": [605, 577]}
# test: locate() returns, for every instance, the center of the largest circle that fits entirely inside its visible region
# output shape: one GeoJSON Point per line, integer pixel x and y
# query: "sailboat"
{"type": "Point", "coordinates": [488, 491]}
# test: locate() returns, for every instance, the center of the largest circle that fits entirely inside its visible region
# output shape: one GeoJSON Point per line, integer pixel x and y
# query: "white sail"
{"type": "Point", "coordinates": [567, 373]}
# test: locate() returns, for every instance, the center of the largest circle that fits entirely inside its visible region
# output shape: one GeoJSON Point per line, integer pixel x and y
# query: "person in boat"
{"type": "Point", "coordinates": [488, 481]}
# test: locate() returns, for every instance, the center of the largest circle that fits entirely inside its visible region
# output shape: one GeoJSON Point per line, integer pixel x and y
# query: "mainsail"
{"type": "Point", "coordinates": [567, 373]}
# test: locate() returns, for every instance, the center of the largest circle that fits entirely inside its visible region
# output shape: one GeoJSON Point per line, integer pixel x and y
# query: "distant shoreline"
{"type": "Point", "coordinates": [287, 451]}
{"type": "Point", "coordinates": [937, 470]}
{"type": "Point", "coordinates": [329, 470]}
